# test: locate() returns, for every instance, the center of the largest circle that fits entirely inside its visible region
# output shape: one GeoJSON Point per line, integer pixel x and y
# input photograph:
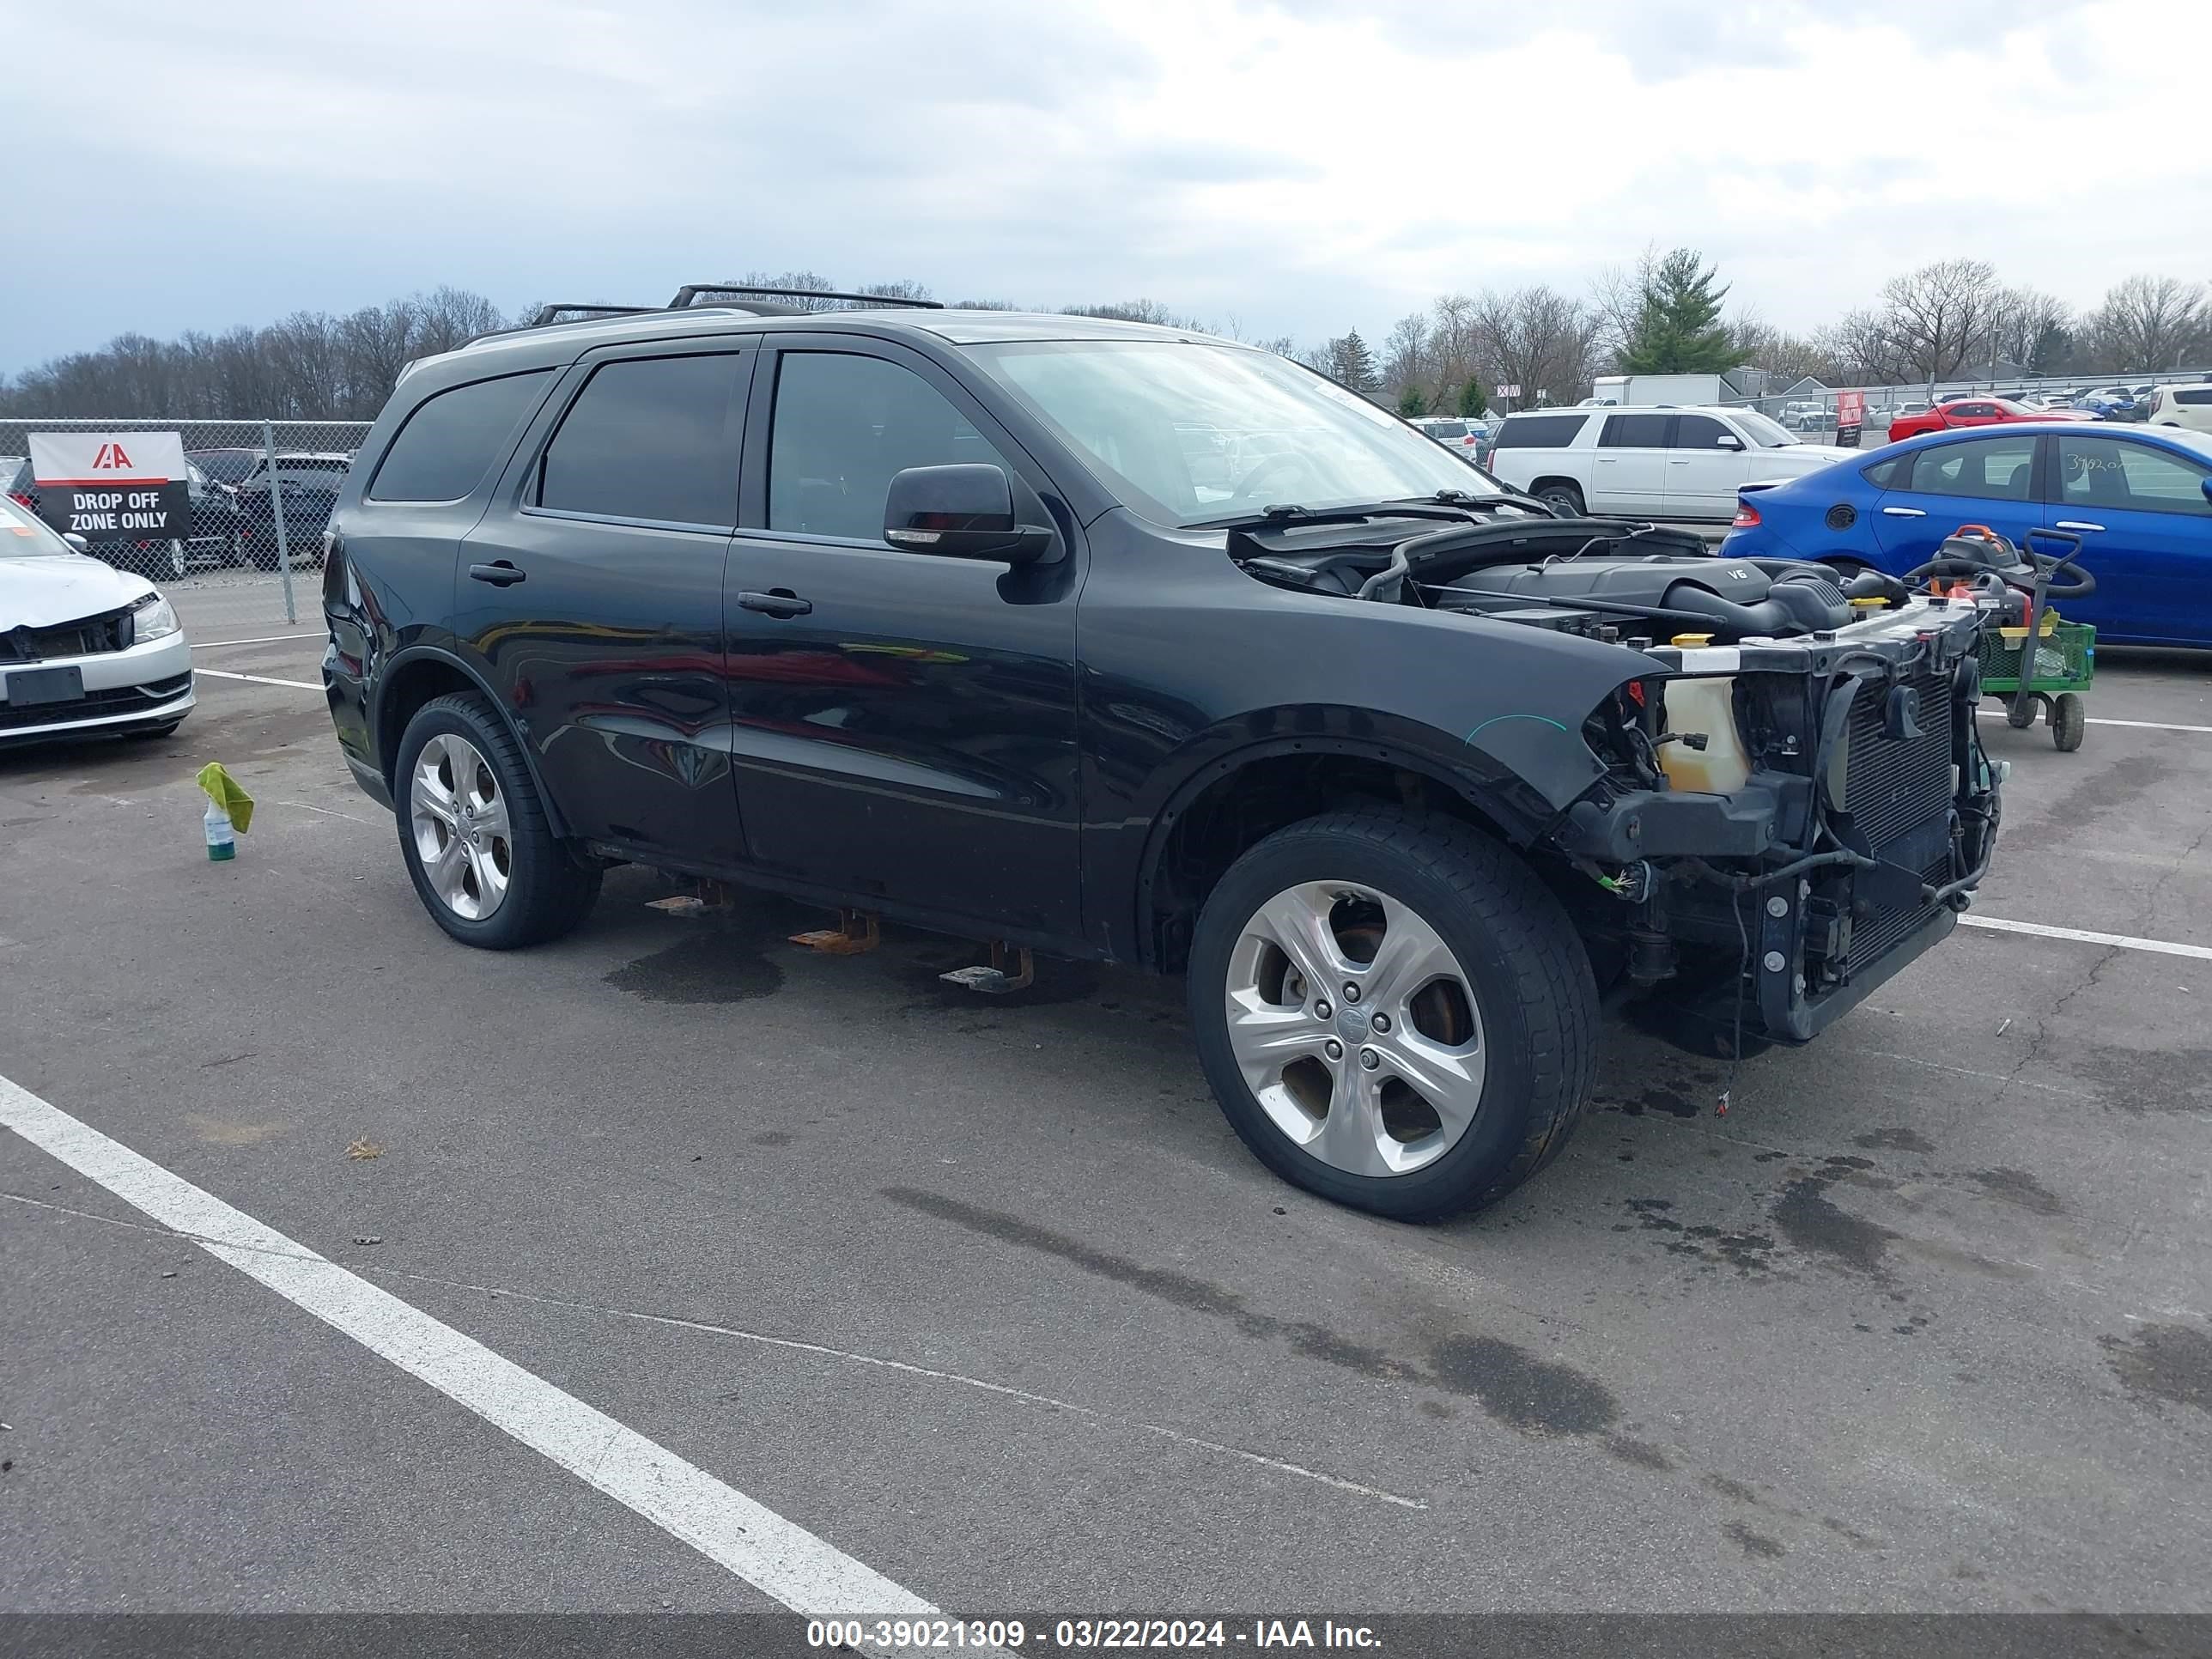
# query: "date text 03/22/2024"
{"type": "Point", "coordinates": [1087, 1633]}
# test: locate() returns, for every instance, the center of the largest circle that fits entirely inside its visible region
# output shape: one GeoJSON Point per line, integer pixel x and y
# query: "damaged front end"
{"type": "Point", "coordinates": [1781, 801]}
{"type": "Point", "coordinates": [1852, 815]}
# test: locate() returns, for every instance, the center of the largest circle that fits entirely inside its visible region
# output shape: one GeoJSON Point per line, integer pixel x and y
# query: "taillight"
{"type": "Point", "coordinates": [20, 499]}
{"type": "Point", "coordinates": [1747, 515]}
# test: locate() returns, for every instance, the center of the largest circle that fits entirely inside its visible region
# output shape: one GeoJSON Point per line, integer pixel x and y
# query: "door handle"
{"type": "Point", "coordinates": [1905, 512]}
{"type": "Point", "coordinates": [776, 602]}
{"type": "Point", "coordinates": [1685, 461]}
{"type": "Point", "coordinates": [499, 573]}
{"type": "Point", "coordinates": [2076, 524]}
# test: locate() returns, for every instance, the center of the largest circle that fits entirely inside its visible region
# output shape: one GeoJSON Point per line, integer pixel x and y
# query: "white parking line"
{"type": "Point", "coordinates": [2147, 726]}
{"type": "Point", "coordinates": [262, 639]}
{"type": "Point", "coordinates": [2100, 720]}
{"type": "Point", "coordinates": [779, 1557]}
{"type": "Point", "coordinates": [2123, 941]}
{"type": "Point", "coordinates": [258, 679]}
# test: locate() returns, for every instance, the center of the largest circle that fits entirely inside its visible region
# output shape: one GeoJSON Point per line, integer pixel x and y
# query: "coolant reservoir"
{"type": "Point", "coordinates": [1707, 706]}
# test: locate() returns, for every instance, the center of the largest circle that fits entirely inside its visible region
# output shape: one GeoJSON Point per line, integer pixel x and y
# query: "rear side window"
{"type": "Point", "coordinates": [1889, 474]}
{"type": "Point", "coordinates": [652, 438]}
{"type": "Point", "coordinates": [1447, 429]}
{"type": "Point", "coordinates": [1634, 432]}
{"type": "Point", "coordinates": [454, 438]}
{"type": "Point", "coordinates": [2194, 394]}
{"type": "Point", "coordinates": [1539, 431]}
{"type": "Point", "coordinates": [1989, 469]}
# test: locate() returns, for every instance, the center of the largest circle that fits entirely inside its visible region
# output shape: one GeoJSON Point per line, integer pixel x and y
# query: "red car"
{"type": "Point", "coordinates": [1976, 411]}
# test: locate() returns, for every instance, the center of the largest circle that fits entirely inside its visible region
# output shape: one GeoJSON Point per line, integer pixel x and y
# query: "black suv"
{"type": "Point", "coordinates": [1114, 641]}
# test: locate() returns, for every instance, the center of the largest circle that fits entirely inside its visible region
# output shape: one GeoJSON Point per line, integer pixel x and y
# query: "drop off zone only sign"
{"type": "Point", "coordinates": [113, 486]}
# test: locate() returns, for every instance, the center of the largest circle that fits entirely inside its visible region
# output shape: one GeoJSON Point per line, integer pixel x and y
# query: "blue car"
{"type": "Point", "coordinates": [2141, 500]}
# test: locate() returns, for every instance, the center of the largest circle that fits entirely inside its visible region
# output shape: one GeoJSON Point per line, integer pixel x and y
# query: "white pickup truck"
{"type": "Point", "coordinates": [1654, 462]}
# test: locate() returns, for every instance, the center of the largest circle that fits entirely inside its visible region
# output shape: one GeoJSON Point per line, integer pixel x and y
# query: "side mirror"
{"type": "Point", "coordinates": [84, 546]}
{"type": "Point", "coordinates": [964, 510]}
{"type": "Point", "coordinates": [2207, 489]}
{"type": "Point", "coordinates": [1727, 441]}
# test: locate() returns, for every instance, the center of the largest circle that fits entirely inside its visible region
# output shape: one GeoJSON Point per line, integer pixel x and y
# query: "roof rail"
{"type": "Point", "coordinates": [546, 314]}
{"type": "Point", "coordinates": [691, 292]}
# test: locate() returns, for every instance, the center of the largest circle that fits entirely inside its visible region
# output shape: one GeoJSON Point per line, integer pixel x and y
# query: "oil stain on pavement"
{"type": "Point", "coordinates": [1516, 1388]}
{"type": "Point", "coordinates": [716, 965]}
{"type": "Point", "coordinates": [2164, 1361]}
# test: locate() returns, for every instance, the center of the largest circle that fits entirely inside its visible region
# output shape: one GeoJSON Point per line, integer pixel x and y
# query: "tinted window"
{"type": "Point", "coordinates": [844, 426]}
{"type": "Point", "coordinates": [1539, 431]}
{"type": "Point", "coordinates": [2195, 394]}
{"type": "Point", "coordinates": [1700, 432]}
{"type": "Point", "coordinates": [454, 438]}
{"type": "Point", "coordinates": [1991, 468]}
{"type": "Point", "coordinates": [1446, 428]}
{"type": "Point", "coordinates": [649, 438]}
{"type": "Point", "coordinates": [1889, 474]}
{"type": "Point", "coordinates": [1634, 432]}
{"type": "Point", "coordinates": [2108, 472]}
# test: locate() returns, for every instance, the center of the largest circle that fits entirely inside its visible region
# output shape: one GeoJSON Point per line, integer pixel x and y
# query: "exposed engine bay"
{"type": "Point", "coordinates": [1782, 801]}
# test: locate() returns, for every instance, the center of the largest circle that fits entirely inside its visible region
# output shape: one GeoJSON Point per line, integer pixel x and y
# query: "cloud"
{"type": "Point", "coordinates": [1300, 165]}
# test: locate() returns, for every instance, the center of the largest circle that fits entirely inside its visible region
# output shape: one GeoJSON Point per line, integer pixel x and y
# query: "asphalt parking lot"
{"type": "Point", "coordinates": [985, 1294]}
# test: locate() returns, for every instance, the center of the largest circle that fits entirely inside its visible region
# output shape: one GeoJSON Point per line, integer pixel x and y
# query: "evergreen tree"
{"type": "Point", "coordinates": [1413, 402]}
{"type": "Point", "coordinates": [1473, 405]}
{"type": "Point", "coordinates": [1678, 328]}
{"type": "Point", "coordinates": [1351, 363]}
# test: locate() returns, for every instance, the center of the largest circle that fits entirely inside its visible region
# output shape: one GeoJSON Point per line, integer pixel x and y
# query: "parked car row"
{"type": "Point", "coordinates": [232, 517]}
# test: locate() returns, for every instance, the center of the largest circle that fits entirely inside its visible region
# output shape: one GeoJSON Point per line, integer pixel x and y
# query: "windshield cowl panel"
{"type": "Point", "coordinates": [1188, 432]}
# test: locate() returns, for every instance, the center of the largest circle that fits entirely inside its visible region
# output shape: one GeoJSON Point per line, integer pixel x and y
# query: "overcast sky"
{"type": "Point", "coordinates": [1295, 168]}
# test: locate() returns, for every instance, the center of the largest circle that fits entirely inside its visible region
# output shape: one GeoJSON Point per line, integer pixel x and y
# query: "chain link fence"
{"type": "Point", "coordinates": [261, 493]}
{"type": "Point", "coordinates": [1810, 412]}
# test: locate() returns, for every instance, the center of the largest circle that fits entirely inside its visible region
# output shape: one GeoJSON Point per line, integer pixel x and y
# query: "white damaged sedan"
{"type": "Point", "coordinates": [86, 650]}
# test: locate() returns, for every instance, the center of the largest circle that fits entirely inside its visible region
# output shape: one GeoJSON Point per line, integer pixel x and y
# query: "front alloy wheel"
{"type": "Point", "coordinates": [460, 819]}
{"type": "Point", "coordinates": [1355, 1028]}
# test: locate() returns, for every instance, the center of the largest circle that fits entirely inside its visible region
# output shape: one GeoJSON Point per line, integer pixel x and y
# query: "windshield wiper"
{"type": "Point", "coordinates": [1468, 499]}
{"type": "Point", "coordinates": [1289, 512]}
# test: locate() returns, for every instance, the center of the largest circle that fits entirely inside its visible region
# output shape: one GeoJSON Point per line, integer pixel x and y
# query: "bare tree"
{"type": "Point", "coordinates": [1406, 360]}
{"type": "Point", "coordinates": [1537, 338]}
{"type": "Point", "coordinates": [1939, 318]}
{"type": "Point", "coordinates": [2027, 321]}
{"type": "Point", "coordinates": [2149, 322]}
{"type": "Point", "coordinates": [1617, 299]}
{"type": "Point", "coordinates": [1784, 356]}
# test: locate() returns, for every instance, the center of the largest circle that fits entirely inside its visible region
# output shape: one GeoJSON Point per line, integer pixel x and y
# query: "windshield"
{"type": "Point", "coordinates": [24, 535]}
{"type": "Point", "coordinates": [1766, 433]}
{"type": "Point", "coordinates": [1278, 435]}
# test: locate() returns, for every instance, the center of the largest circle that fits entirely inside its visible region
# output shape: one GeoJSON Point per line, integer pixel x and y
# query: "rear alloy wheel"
{"type": "Point", "coordinates": [462, 831]}
{"type": "Point", "coordinates": [484, 861]}
{"type": "Point", "coordinates": [1393, 1011]}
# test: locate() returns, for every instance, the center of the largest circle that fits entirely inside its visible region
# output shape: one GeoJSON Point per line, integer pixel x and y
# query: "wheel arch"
{"type": "Point", "coordinates": [1232, 802]}
{"type": "Point", "coordinates": [423, 673]}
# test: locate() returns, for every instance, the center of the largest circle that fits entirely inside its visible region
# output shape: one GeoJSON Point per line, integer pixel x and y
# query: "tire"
{"type": "Point", "coordinates": [1565, 500]}
{"type": "Point", "coordinates": [2069, 721]}
{"type": "Point", "coordinates": [1847, 568]}
{"type": "Point", "coordinates": [506, 880]}
{"type": "Point", "coordinates": [2016, 718]}
{"type": "Point", "coordinates": [1514, 993]}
